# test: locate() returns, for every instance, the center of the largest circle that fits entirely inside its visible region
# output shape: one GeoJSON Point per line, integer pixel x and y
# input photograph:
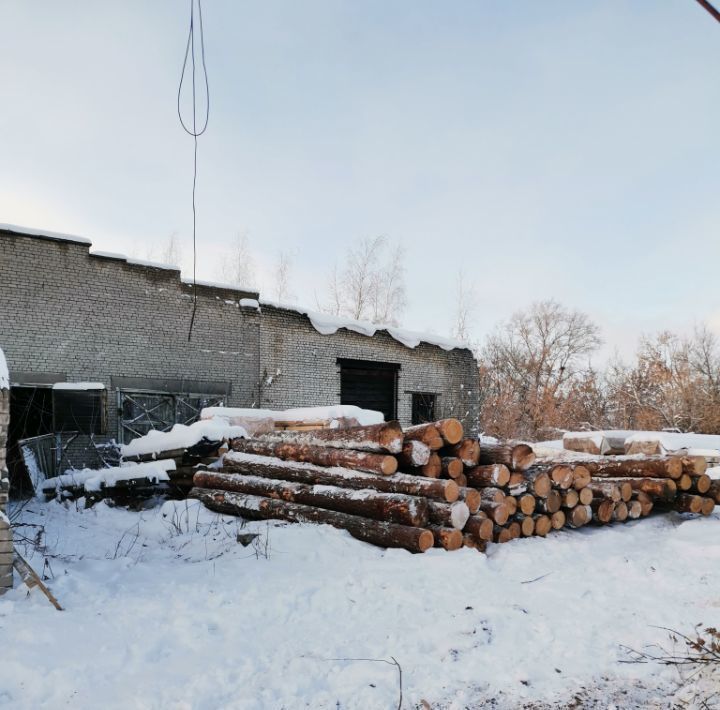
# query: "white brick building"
{"type": "Point", "coordinates": [71, 315]}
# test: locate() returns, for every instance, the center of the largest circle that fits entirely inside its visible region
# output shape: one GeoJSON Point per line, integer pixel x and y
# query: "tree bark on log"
{"type": "Point", "coordinates": [501, 534]}
{"type": "Point", "coordinates": [468, 451]}
{"type": "Point", "coordinates": [432, 469]}
{"type": "Point", "coordinates": [491, 495]}
{"type": "Point", "coordinates": [451, 467]}
{"type": "Point", "coordinates": [517, 457]}
{"type": "Point", "coordinates": [414, 454]}
{"type": "Point", "coordinates": [383, 464]}
{"type": "Point", "coordinates": [538, 482]}
{"type": "Point", "coordinates": [685, 503]}
{"type": "Point", "coordinates": [379, 438]}
{"type": "Point", "coordinates": [602, 510]}
{"type": "Point", "coordinates": [581, 476]}
{"type": "Point", "coordinates": [449, 515]}
{"type": "Point", "coordinates": [550, 504]}
{"type": "Point", "coordinates": [714, 491]}
{"type": "Point", "coordinates": [393, 507]}
{"type": "Point", "coordinates": [480, 527]}
{"type": "Point", "coordinates": [664, 488]}
{"type": "Point", "coordinates": [471, 542]}
{"type": "Point", "coordinates": [701, 484]}
{"type": "Point", "coordinates": [449, 431]}
{"type": "Point", "coordinates": [488, 475]}
{"type": "Point", "coordinates": [633, 467]}
{"type": "Point", "coordinates": [317, 475]}
{"type": "Point", "coordinates": [694, 465]}
{"type": "Point", "coordinates": [472, 499]}
{"type": "Point", "coordinates": [497, 512]}
{"type": "Point", "coordinates": [256, 508]}
{"type": "Point", "coordinates": [448, 538]}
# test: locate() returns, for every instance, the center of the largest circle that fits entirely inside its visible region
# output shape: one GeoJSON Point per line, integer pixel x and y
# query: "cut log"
{"type": "Point", "coordinates": [472, 499]}
{"type": "Point", "coordinates": [633, 467]}
{"type": "Point", "coordinates": [570, 498]}
{"type": "Point", "coordinates": [449, 515]}
{"type": "Point", "coordinates": [694, 465]}
{"type": "Point", "coordinates": [432, 469]}
{"type": "Point", "coordinates": [557, 520]}
{"type": "Point", "coordinates": [380, 438]}
{"type": "Point", "coordinates": [527, 525]}
{"type": "Point", "coordinates": [317, 475]}
{"type": "Point", "coordinates": [448, 538]}
{"type": "Point", "coordinates": [527, 503]}
{"type": "Point", "coordinates": [684, 483]}
{"type": "Point", "coordinates": [543, 525]}
{"type": "Point", "coordinates": [581, 476]}
{"type": "Point", "coordinates": [578, 516]}
{"type": "Point", "coordinates": [501, 534]}
{"type": "Point", "coordinates": [585, 495]}
{"type": "Point", "coordinates": [449, 431]}
{"type": "Point", "coordinates": [451, 467]}
{"type": "Point", "coordinates": [634, 509]}
{"type": "Point", "coordinates": [393, 507]}
{"type": "Point", "coordinates": [414, 454]}
{"type": "Point", "coordinates": [497, 512]}
{"type": "Point", "coordinates": [645, 501]}
{"type": "Point", "coordinates": [480, 527]}
{"type": "Point", "coordinates": [471, 542]}
{"type": "Point", "coordinates": [515, 456]}
{"type": "Point", "coordinates": [320, 455]}
{"type": "Point", "coordinates": [561, 476]}
{"type": "Point", "coordinates": [685, 503]}
{"type": "Point", "coordinates": [514, 530]}
{"type": "Point", "coordinates": [592, 443]}
{"type": "Point", "coordinates": [489, 475]}
{"type": "Point", "coordinates": [551, 503]}
{"type": "Point", "coordinates": [538, 482]}
{"type": "Point", "coordinates": [468, 451]}
{"type": "Point", "coordinates": [656, 487]}
{"type": "Point", "coordinates": [511, 503]}
{"type": "Point", "coordinates": [701, 484]}
{"type": "Point", "coordinates": [373, 531]}
{"type": "Point", "coordinates": [620, 512]}
{"type": "Point", "coordinates": [714, 491]}
{"type": "Point", "coordinates": [491, 495]}
{"type": "Point", "coordinates": [708, 506]}
{"type": "Point", "coordinates": [602, 510]}
{"type": "Point", "coordinates": [461, 480]}
{"type": "Point", "coordinates": [605, 489]}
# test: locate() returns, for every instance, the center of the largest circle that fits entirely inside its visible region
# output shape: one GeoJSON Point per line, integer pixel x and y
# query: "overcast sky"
{"type": "Point", "coordinates": [566, 150]}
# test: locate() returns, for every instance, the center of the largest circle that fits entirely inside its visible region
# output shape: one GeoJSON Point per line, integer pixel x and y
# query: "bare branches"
{"type": "Point", "coordinates": [370, 285]}
{"type": "Point", "coordinates": [238, 266]}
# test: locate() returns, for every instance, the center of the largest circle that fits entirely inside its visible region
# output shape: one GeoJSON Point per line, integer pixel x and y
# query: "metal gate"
{"type": "Point", "coordinates": [139, 412]}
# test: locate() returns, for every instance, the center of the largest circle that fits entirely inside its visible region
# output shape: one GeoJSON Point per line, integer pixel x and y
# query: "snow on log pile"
{"type": "Point", "coordinates": [429, 486]}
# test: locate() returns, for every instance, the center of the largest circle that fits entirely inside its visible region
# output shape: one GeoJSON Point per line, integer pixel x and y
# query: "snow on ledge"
{"type": "Point", "coordinates": [32, 232]}
{"type": "Point", "coordinates": [327, 324]}
{"type": "Point", "coordinates": [152, 264]}
{"type": "Point", "coordinates": [4, 374]}
{"type": "Point", "coordinates": [78, 386]}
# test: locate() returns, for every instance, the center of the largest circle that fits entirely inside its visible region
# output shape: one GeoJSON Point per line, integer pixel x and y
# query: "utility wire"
{"type": "Point", "coordinates": [713, 11]}
{"type": "Point", "coordinates": [194, 132]}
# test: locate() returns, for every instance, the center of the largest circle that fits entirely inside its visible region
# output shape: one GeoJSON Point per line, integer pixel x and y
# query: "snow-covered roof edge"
{"type": "Point", "coordinates": [327, 324]}
{"type": "Point", "coordinates": [44, 234]}
{"type": "Point", "coordinates": [4, 374]}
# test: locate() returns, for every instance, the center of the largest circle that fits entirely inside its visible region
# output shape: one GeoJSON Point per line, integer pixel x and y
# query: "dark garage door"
{"type": "Point", "coordinates": [370, 385]}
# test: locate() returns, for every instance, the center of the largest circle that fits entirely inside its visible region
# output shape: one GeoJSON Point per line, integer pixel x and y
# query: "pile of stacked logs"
{"type": "Point", "coordinates": [429, 486]}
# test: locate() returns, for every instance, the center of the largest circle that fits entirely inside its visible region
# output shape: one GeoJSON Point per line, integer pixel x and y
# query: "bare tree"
{"type": "Point", "coordinates": [281, 277]}
{"type": "Point", "coordinates": [171, 252]}
{"type": "Point", "coordinates": [465, 308]}
{"type": "Point", "coordinates": [533, 363]}
{"type": "Point", "coordinates": [238, 266]}
{"type": "Point", "coordinates": [370, 285]}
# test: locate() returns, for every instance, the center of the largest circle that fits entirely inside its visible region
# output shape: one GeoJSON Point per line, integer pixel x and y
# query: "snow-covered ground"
{"type": "Point", "coordinates": [164, 609]}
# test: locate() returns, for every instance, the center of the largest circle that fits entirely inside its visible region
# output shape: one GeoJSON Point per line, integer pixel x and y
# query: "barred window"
{"type": "Point", "coordinates": [423, 407]}
{"type": "Point", "coordinates": [79, 410]}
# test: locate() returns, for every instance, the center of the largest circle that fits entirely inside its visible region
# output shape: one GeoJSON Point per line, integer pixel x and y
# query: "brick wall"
{"type": "Point", "coordinates": [6, 549]}
{"type": "Point", "coordinates": [92, 317]}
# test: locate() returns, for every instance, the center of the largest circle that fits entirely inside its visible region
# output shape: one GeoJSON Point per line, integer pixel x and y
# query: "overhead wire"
{"type": "Point", "coordinates": [193, 131]}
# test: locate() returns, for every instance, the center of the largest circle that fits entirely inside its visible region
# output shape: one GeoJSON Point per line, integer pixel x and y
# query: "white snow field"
{"type": "Point", "coordinates": [164, 609]}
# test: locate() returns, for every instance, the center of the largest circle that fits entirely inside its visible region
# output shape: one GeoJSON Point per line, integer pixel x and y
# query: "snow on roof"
{"type": "Point", "coordinates": [78, 386]}
{"type": "Point", "coordinates": [328, 324]}
{"type": "Point", "coordinates": [152, 264]}
{"type": "Point", "coordinates": [32, 232]}
{"type": "Point", "coordinates": [218, 284]}
{"type": "Point", "coordinates": [4, 374]}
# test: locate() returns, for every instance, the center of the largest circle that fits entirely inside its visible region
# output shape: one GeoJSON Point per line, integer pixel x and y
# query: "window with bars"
{"type": "Point", "coordinates": [81, 411]}
{"type": "Point", "coordinates": [423, 407]}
